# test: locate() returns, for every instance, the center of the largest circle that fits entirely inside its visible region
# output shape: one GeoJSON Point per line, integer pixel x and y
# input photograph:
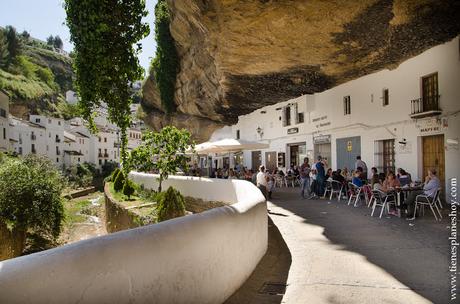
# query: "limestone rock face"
{"type": "Point", "coordinates": [239, 55]}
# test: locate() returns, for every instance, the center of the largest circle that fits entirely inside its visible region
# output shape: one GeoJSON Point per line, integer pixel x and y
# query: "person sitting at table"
{"type": "Point", "coordinates": [329, 174]}
{"type": "Point", "coordinates": [345, 173]}
{"type": "Point", "coordinates": [232, 174]}
{"type": "Point", "coordinates": [431, 185]}
{"type": "Point", "coordinates": [356, 180]}
{"type": "Point", "coordinates": [391, 182]}
{"type": "Point", "coordinates": [373, 172]}
{"type": "Point", "coordinates": [376, 182]}
{"type": "Point", "coordinates": [281, 173]}
{"type": "Point", "coordinates": [338, 176]}
{"type": "Point", "coordinates": [403, 177]}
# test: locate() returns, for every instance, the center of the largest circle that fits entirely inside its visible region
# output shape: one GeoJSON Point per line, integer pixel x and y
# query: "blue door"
{"type": "Point", "coordinates": [347, 150]}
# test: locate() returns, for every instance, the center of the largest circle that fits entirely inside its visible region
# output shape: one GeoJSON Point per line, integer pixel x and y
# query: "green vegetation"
{"type": "Point", "coordinates": [106, 37]}
{"type": "Point", "coordinates": [81, 175]}
{"type": "Point", "coordinates": [73, 210]}
{"type": "Point", "coordinates": [33, 74]}
{"type": "Point", "coordinates": [165, 65]}
{"type": "Point", "coordinates": [167, 148]}
{"type": "Point", "coordinates": [128, 188]}
{"type": "Point", "coordinates": [30, 199]}
{"type": "Point", "coordinates": [170, 205]}
{"type": "Point", "coordinates": [119, 181]}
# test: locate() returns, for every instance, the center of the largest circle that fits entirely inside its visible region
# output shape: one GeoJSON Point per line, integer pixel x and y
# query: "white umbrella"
{"type": "Point", "coordinates": [228, 145]}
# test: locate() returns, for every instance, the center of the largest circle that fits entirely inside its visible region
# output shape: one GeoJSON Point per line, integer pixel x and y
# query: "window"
{"type": "Point", "coordinates": [79, 159]}
{"type": "Point", "coordinates": [237, 134]}
{"type": "Point", "coordinates": [99, 139]}
{"type": "Point", "coordinates": [49, 135]}
{"type": "Point", "coordinates": [386, 97]}
{"type": "Point", "coordinates": [57, 159]}
{"type": "Point", "coordinates": [286, 116]}
{"type": "Point", "coordinates": [59, 122]}
{"type": "Point", "coordinates": [20, 151]}
{"type": "Point", "coordinates": [2, 112]}
{"type": "Point", "coordinates": [430, 92]}
{"type": "Point", "coordinates": [385, 155]}
{"type": "Point", "coordinates": [346, 105]}
{"type": "Point", "coordinates": [105, 139]}
{"type": "Point", "coordinates": [4, 133]}
{"type": "Point", "coordinates": [33, 149]}
{"type": "Point", "coordinates": [37, 120]}
{"type": "Point", "coordinates": [300, 117]}
{"type": "Point", "coordinates": [100, 161]}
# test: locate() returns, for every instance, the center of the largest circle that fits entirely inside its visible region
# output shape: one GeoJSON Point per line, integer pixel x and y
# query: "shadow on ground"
{"type": "Point", "coordinates": [273, 268]}
{"type": "Point", "coordinates": [415, 253]}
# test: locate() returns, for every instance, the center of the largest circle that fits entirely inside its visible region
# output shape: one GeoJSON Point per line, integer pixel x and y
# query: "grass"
{"type": "Point", "coordinates": [72, 209]}
{"type": "Point", "coordinates": [24, 88]}
{"type": "Point", "coordinates": [134, 200]}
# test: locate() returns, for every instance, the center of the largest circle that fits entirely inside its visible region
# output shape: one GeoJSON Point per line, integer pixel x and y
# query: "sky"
{"type": "Point", "coordinates": [42, 18]}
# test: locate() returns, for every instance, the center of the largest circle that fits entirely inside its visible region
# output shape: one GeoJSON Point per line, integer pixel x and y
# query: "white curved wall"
{"type": "Point", "coordinates": [202, 258]}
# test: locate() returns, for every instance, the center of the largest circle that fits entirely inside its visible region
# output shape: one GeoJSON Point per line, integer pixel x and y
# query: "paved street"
{"type": "Point", "coordinates": [342, 255]}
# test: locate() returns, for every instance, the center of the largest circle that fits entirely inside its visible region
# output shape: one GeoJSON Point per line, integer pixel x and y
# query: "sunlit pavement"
{"type": "Point", "coordinates": [340, 254]}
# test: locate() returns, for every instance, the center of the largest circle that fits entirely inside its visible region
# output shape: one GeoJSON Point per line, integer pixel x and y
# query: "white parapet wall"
{"type": "Point", "coordinates": [201, 258]}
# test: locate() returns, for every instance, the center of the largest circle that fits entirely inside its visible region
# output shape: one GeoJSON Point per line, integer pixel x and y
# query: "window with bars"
{"type": "Point", "coordinates": [346, 105]}
{"type": "Point", "coordinates": [385, 155]}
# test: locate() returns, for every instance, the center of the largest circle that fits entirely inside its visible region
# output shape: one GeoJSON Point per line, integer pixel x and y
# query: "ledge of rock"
{"type": "Point", "coordinates": [238, 56]}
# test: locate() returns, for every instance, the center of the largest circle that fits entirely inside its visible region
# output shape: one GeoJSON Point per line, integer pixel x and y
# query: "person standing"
{"type": "Point", "coordinates": [320, 176]}
{"type": "Point", "coordinates": [362, 164]}
{"type": "Point", "coordinates": [261, 181]}
{"type": "Point", "coordinates": [305, 177]}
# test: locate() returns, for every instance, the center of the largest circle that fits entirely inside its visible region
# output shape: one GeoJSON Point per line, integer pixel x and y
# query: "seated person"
{"type": "Point", "coordinates": [376, 182]}
{"type": "Point", "coordinates": [391, 182]}
{"type": "Point", "coordinates": [403, 177]}
{"type": "Point", "coordinates": [338, 176]}
{"type": "Point", "coordinates": [431, 185]}
{"type": "Point", "coordinates": [356, 180]}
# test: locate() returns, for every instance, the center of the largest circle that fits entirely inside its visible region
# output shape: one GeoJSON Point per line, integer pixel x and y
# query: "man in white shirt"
{"type": "Point", "coordinates": [360, 163]}
{"type": "Point", "coordinates": [261, 181]}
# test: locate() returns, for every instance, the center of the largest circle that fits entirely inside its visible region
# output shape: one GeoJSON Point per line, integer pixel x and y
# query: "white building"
{"type": "Point", "coordinates": [27, 137]}
{"type": "Point", "coordinates": [407, 117]}
{"type": "Point", "coordinates": [55, 144]}
{"type": "Point", "coordinates": [4, 124]}
{"type": "Point", "coordinates": [71, 97]}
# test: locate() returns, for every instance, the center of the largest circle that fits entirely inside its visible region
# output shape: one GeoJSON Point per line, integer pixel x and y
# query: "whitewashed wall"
{"type": "Point", "coordinates": [201, 258]}
{"type": "Point", "coordinates": [369, 118]}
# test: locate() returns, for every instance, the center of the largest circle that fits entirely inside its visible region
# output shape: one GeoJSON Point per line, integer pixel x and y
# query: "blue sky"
{"type": "Point", "coordinates": [42, 18]}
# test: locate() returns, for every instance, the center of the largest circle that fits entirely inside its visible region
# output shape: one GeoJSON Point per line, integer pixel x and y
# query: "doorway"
{"type": "Point", "coordinates": [433, 156]}
{"type": "Point", "coordinates": [323, 150]}
{"type": "Point", "coordinates": [297, 153]}
{"type": "Point", "coordinates": [347, 150]}
{"type": "Point", "coordinates": [256, 157]}
{"type": "Point", "coordinates": [270, 160]}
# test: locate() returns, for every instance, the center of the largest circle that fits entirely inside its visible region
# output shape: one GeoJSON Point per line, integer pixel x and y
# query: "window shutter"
{"type": "Point", "coordinates": [296, 113]}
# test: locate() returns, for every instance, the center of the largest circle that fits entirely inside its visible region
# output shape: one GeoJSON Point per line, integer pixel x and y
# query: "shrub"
{"type": "Point", "coordinates": [128, 188]}
{"type": "Point", "coordinates": [113, 176]}
{"type": "Point", "coordinates": [119, 181]}
{"type": "Point", "coordinates": [30, 196]}
{"type": "Point", "coordinates": [171, 204]}
{"type": "Point", "coordinates": [108, 168]}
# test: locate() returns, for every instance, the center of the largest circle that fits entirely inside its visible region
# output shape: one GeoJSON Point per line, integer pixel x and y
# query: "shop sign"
{"type": "Point", "coordinates": [322, 139]}
{"type": "Point", "coordinates": [292, 130]}
{"type": "Point", "coordinates": [433, 126]}
{"type": "Point", "coordinates": [349, 146]}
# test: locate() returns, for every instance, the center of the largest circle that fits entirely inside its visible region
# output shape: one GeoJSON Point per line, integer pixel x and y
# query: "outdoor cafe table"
{"type": "Point", "coordinates": [402, 190]}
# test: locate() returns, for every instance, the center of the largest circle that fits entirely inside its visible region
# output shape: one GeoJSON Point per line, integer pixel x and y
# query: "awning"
{"type": "Point", "coordinates": [228, 145]}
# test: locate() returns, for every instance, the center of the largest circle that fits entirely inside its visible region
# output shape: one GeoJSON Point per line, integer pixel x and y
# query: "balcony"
{"type": "Point", "coordinates": [425, 107]}
{"type": "Point", "coordinates": [99, 155]}
{"type": "Point", "coordinates": [116, 145]}
{"type": "Point", "coordinates": [106, 154]}
{"type": "Point", "coordinates": [58, 140]}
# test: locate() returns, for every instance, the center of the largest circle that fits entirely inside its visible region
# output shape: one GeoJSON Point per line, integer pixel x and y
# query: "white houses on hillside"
{"type": "Point", "coordinates": [4, 123]}
{"type": "Point", "coordinates": [407, 117]}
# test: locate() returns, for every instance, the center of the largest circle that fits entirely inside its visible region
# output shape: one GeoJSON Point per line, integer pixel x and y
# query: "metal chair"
{"type": "Point", "coordinates": [382, 199]}
{"type": "Point", "coordinates": [337, 188]}
{"type": "Point", "coordinates": [327, 189]}
{"type": "Point", "coordinates": [425, 200]}
{"type": "Point", "coordinates": [354, 193]}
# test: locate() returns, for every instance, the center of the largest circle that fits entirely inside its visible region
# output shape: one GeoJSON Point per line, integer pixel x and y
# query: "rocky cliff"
{"type": "Point", "coordinates": [237, 56]}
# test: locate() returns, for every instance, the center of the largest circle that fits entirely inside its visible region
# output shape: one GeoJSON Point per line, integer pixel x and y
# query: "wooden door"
{"type": "Point", "coordinates": [270, 160]}
{"type": "Point", "coordinates": [256, 160]}
{"type": "Point", "coordinates": [433, 156]}
{"type": "Point", "coordinates": [347, 150]}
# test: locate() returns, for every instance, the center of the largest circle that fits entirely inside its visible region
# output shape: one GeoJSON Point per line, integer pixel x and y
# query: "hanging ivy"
{"type": "Point", "coordinates": [105, 35]}
{"type": "Point", "coordinates": [165, 65]}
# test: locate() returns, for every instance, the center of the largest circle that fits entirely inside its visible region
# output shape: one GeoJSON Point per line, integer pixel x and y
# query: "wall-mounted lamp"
{"type": "Point", "coordinates": [403, 142]}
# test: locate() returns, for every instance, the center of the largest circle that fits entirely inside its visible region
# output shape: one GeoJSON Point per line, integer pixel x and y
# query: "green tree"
{"type": "Point", "coordinates": [165, 65]}
{"type": "Point", "coordinates": [119, 181]}
{"type": "Point", "coordinates": [57, 42]}
{"type": "Point", "coordinates": [171, 205]}
{"type": "Point", "coordinates": [30, 196]}
{"type": "Point", "coordinates": [128, 188]}
{"type": "Point", "coordinates": [4, 54]}
{"type": "Point", "coordinates": [14, 44]}
{"type": "Point", "coordinates": [25, 35]}
{"type": "Point", "coordinates": [164, 152]}
{"type": "Point", "coordinates": [50, 40]}
{"type": "Point", "coordinates": [106, 37]}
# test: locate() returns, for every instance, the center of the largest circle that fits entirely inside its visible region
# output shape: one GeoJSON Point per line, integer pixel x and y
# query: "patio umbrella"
{"type": "Point", "coordinates": [228, 145]}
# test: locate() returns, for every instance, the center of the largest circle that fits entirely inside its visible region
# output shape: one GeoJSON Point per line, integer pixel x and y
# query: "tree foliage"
{"type": "Point", "coordinates": [171, 205]}
{"type": "Point", "coordinates": [119, 181]}
{"type": "Point", "coordinates": [105, 36]}
{"type": "Point", "coordinates": [14, 44]}
{"type": "Point", "coordinates": [57, 43]}
{"type": "Point", "coordinates": [31, 195]}
{"type": "Point", "coordinates": [128, 188]}
{"type": "Point", "coordinates": [165, 65]}
{"type": "Point", "coordinates": [4, 54]}
{"type": "Point", "coordinates": [163, 152]}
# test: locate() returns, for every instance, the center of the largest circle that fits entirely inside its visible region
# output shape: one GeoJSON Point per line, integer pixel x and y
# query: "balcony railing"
{"type": "Point", "coordinates": [424, 107]}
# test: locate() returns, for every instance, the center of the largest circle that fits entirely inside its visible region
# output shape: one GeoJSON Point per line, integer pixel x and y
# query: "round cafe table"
{"type": "Point", "coordinates": [399, 191]}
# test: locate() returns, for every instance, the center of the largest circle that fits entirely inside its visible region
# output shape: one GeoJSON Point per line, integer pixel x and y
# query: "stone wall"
{"type": "Point", "coordinates": [11, 242]}
{"type": "Point", "coordinates": [117, 217]}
